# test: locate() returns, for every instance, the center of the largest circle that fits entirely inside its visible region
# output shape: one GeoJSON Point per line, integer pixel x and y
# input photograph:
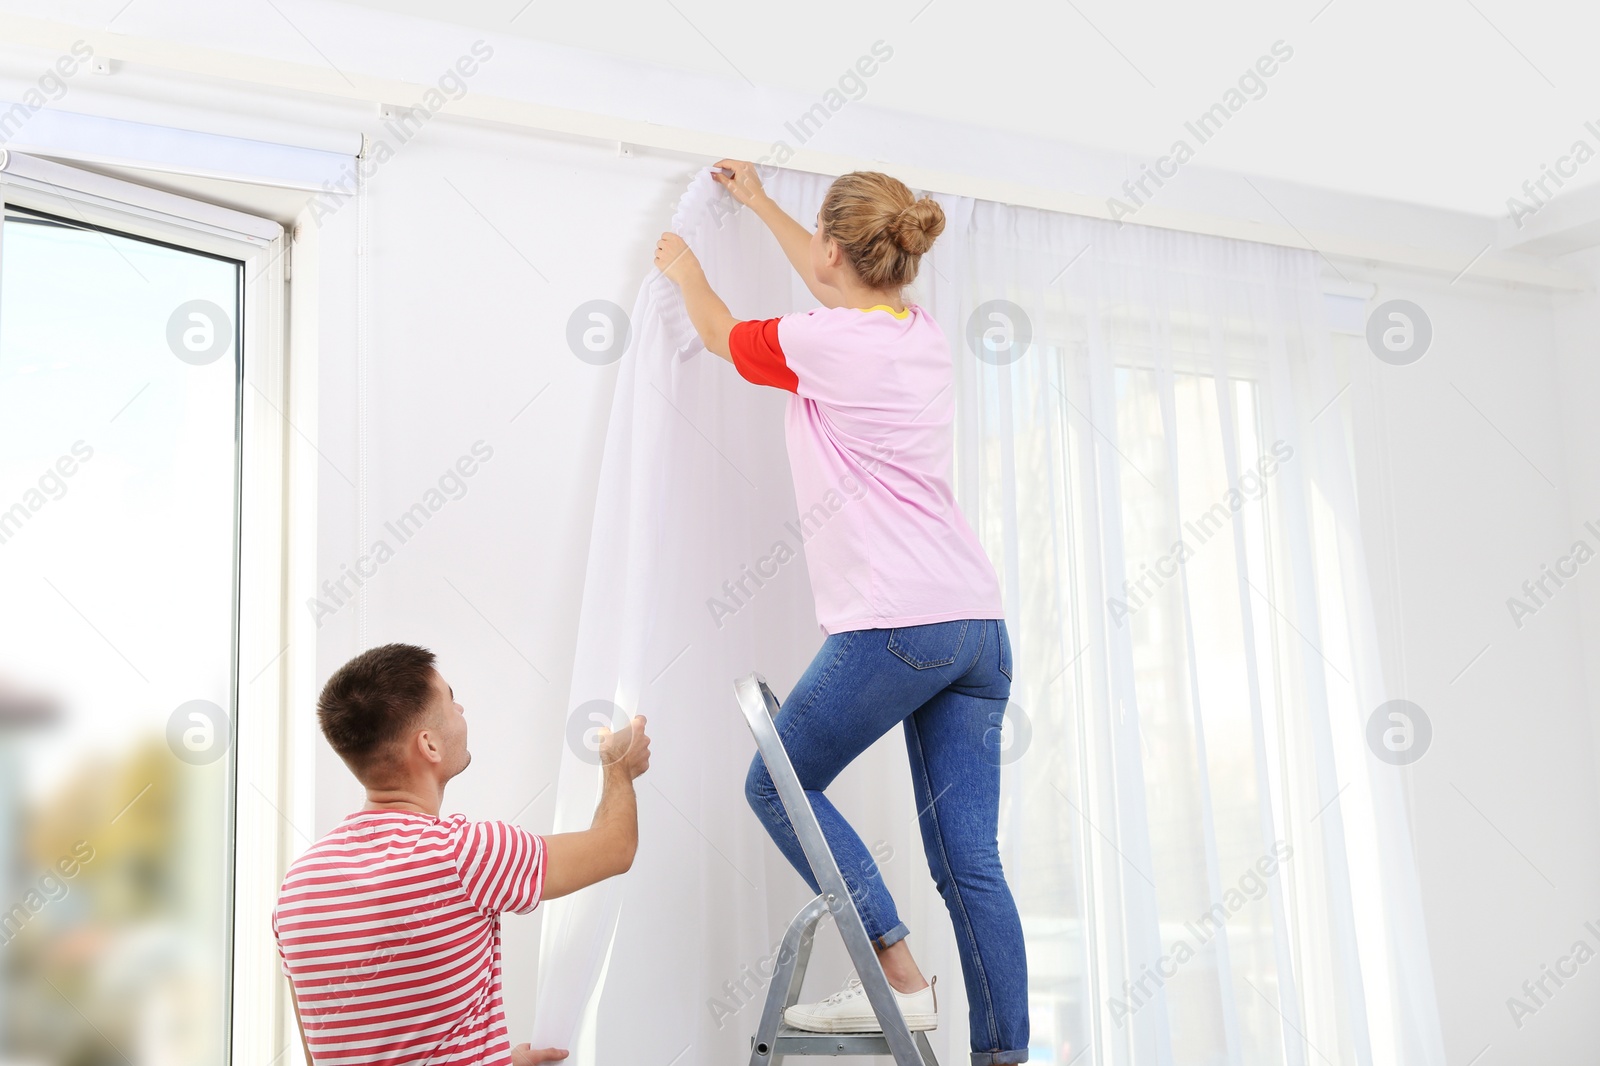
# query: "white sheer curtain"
{"type": "Point", "coordinates": [1210, 864]}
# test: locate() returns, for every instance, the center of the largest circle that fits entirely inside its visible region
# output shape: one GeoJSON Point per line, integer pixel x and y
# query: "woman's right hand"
{"type": "Point", "coordinates": [743, 185]}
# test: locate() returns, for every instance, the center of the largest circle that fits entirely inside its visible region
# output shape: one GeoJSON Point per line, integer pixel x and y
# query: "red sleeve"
{"type": "Point", "coordinates": [501, 866]}
{"type": "Point", "coordinates": [757, 356]}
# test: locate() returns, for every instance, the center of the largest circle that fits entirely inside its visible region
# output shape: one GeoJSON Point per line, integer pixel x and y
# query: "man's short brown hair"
{"type": "Point", "coordinates": [373, 700]}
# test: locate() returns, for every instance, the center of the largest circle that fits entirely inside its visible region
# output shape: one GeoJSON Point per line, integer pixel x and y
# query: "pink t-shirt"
{"type": "Point", "coordinates": [869, 435]}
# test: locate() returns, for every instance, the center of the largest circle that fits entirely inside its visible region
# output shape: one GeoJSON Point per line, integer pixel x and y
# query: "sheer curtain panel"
{"type": "Point", "coordinates": [1212, 864]}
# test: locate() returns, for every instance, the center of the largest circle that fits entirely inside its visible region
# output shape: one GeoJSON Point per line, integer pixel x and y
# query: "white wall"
{"type": "Point", "coordinates": [1476, 466]}
{"type": "Point", "coordinates": [1577, 332]}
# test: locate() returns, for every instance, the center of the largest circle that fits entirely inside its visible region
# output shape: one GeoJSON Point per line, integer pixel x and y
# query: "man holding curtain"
{"type": "Point", "coordinates": [389, 926]}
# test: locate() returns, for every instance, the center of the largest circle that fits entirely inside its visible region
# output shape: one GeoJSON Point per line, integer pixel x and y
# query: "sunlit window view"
{"type": "Point", "coordinates": [1205, 820]}
{"type": "Point", "coordinates": [1194, 827]}
{"type": "Point", "coordinates": [118, 468]}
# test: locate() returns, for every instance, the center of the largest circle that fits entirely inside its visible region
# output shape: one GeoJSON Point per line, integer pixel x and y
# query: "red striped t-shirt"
{"type": "Point", "coordinates": [389, 931]}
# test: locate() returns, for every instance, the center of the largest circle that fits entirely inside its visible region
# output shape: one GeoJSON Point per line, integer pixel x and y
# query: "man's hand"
{"type": "Point", "coordinates": [626, 751]}
{"type": "Point", "coordinates": [674, 259]}
{"type": "Point", "coordinates": [524, 1055]}
{"type": "Point", "coordinates": [606, 848]}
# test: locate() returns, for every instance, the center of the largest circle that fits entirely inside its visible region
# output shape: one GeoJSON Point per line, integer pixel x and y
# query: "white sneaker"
{"type": "Point", "coordinates": [849, 1010]}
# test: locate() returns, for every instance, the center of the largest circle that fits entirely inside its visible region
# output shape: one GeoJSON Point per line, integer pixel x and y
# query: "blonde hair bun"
{"type": "Point", "coordinates": [915, 227]}
{"type": "Point", "coordinates": [882, 228]}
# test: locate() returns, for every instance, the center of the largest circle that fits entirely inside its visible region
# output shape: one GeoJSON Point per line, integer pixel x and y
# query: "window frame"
{"type": "Point", "coordinates": [271, 653]}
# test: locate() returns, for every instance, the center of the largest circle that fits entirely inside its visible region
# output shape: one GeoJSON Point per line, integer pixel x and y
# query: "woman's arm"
{"type": "Point", "coordinates": [710, 316]}
{"type": "Point", "coordinates": [795, 240]}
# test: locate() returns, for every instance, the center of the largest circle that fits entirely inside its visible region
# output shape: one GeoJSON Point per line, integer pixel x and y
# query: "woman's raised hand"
{"type": "Point", "coordinates": [743, 185]}
{"type": "Point", "coordinates": [674, 259]}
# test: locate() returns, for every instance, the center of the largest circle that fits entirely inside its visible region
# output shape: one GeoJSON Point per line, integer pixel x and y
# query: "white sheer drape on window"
{"type": "Point", "coordinates": [1210, 864]}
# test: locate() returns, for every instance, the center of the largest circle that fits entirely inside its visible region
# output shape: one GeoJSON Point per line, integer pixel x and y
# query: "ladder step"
{"type": "Point", "coordinates": [792, 1041]}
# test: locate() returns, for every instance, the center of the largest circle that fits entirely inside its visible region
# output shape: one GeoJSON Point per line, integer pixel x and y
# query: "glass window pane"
{"type": "Point", "coordinates": [119, 379]}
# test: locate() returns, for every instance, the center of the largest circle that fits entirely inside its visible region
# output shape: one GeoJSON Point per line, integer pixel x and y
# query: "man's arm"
{"type": "Point", "coordinates": [606, 848]}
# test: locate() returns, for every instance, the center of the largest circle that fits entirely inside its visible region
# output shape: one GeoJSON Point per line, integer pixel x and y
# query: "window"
{"type": "Point", "coordinates": [1178, 734]}
{"type": "Point", "coordinates": [137, 335]}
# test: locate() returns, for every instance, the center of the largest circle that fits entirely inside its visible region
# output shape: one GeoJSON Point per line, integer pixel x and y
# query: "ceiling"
{"type": "Point", "coordinates": [1450, 103]}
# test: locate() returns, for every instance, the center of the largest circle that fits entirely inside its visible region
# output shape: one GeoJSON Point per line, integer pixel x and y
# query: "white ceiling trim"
{"type": "Point", "coordinates": [351, 85]}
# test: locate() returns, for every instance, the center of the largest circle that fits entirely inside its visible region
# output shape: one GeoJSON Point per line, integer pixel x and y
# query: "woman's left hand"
{"type": "Point", "coordinates": [674, 259]}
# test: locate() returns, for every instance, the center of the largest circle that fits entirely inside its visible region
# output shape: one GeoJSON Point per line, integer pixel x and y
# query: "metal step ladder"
{"type": "Point", "coordinates": [774, 1039]}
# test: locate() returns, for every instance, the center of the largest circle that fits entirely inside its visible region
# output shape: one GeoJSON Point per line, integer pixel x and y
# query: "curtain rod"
{"type": "Point", "coordinates": [522, 114]}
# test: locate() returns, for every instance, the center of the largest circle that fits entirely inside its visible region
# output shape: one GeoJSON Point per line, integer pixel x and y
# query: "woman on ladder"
{"type": "Point", "coordinates": [909, 602]}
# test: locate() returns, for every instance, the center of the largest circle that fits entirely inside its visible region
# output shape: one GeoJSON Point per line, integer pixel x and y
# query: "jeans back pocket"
{"type": "Point", "coordinates": [924, 647]}
{"type": "Point", "coordinates": [1005, 650]}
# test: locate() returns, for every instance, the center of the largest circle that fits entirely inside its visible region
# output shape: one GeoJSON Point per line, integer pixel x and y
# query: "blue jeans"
{"type": "Point", "coordinates": [948, 684]}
